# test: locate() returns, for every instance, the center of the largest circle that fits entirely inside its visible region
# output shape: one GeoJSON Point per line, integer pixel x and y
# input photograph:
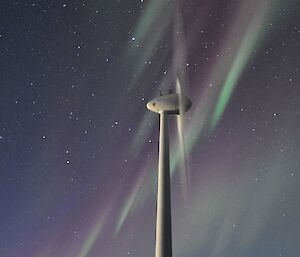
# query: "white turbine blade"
{"type": "Point", "coordinates": [184, 176]}
{"type": "Point", "coordinates": [179, 61]}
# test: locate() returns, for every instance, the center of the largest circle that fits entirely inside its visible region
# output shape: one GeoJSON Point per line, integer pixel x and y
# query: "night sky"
{"type": "Point", "coordinates": [79, 149]}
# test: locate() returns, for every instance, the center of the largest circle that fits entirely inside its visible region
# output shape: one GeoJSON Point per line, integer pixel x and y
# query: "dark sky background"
{"type": "Point", "coordinates": [79, 148]}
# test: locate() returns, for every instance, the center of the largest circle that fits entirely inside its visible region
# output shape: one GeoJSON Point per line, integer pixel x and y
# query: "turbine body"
{"type": "Point", "coordinates": [165, 105]}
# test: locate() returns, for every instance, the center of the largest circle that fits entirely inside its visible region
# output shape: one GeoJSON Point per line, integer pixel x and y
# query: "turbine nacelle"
{"type": "Point", "coordinates": [171, 104]}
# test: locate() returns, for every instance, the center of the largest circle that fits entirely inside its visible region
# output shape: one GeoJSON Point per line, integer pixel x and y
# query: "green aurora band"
{"type": "Point", "coordinates": [251, 41]}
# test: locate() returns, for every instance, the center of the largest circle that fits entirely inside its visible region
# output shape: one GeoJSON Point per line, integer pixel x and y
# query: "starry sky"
{"type": "Point", "coordinates": [79, 149]}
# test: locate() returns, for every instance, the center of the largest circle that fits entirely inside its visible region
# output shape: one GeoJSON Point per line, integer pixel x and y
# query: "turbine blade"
{"type": "Point", "coordinates": [184, 174]}
{"type": "Point", "coordinates": [178, 68]}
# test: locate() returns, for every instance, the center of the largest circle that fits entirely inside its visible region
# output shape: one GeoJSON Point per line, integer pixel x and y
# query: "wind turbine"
{"type": "Point", "coordinates": [170, 104]}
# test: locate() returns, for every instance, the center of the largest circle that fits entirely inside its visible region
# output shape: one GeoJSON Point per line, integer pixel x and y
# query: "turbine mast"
{"type": "Point", "coordinates": [163, 247]}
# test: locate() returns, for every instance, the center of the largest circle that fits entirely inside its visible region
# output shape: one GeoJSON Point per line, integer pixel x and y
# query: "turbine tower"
{"type": "Point", "coordinates": [170, 104]}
